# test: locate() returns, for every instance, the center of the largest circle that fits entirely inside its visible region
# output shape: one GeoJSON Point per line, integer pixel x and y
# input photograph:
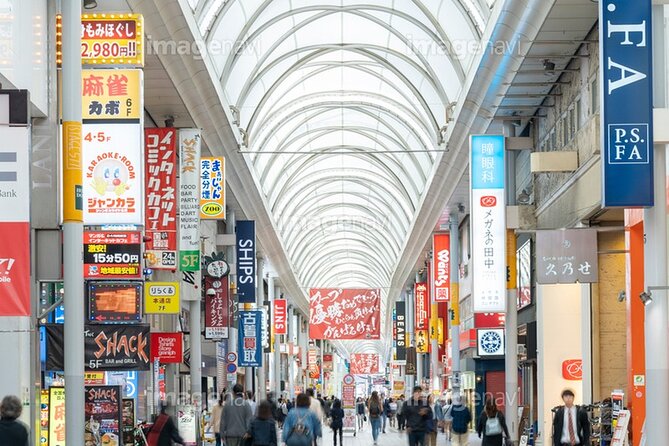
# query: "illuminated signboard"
{"type": "Point", "coordinates": [112, 255]}
{"type": "Point", "coordinates": [114, 301]}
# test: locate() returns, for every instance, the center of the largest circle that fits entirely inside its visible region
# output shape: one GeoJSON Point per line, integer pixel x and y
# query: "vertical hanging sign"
{"type": "Point", "coordinates": [422, 306]}
{"type": "Point", "coordinates": [488, 231]}
{"type": "Point", "coordinates": [627, 103]}
{"type": "Point", "coordinates": [189, 225]}
{"type": "Point", "coordinates": [400, 330]}
{"type": "Point", "coordinates": [280, 314]}
{"type": "Point", "coordinates": [250, 339]}
{"type": "Point", "coordinates": [212, 188]}
{"type": "Point", "coordinates": [246, 261]}
{"type": "Point", "coordinates": [441, 265]}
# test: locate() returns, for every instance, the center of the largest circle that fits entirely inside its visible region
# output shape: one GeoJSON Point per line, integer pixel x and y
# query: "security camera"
{"type": "Point", "coordinates": [211, 292]}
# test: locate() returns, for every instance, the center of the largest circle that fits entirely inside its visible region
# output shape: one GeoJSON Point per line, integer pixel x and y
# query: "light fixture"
{"type": "Point", "coordinates": [523, 197]}
{"type": "Point", "coordinates": [90, 4]}
{"type": "Point", "coordinates": [549, 66]}
{"type": "Point", "coordinates": [622, 295]}
{"type": "Point", "coordinates": [646, 298]}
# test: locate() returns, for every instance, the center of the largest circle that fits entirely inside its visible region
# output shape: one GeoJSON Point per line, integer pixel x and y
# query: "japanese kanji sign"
{"type": "Point", "coordinates": [441, 264]}
{"type": "Point", "coordinates": [112, 255]}
{"type": "Point", "coordinates": [112, 39]}
{"type": "Point", "coordinates": [336, 313]}
{"type": "Point", "coordinates": [109, 94]}
{"type": "Point", "coordinates": [422, 341]}
{"type": "Point", "coordinates": [488, 226]}
{"type": "Point", "coordinates": [364, 363]}
{"type": "Point", "coordinates": [567, 256]}
{"type": "Point", "coordinates": [212, 188]}
{"type": "Point", "coordinates": [57, 416]}
{"type": "Point", "coordinates": [161, 197]}
{"type": "Point", "coordinates": [161, 298]}
{"type": "Point", "coordinates": [216, 308]}
{"type": "Point", "coordinates": [422, 305]}
{"type": "Point", "coordinates": [190, 142]}
{"type": "Point", "coordinates": [313, 362]}
{"type": "Point", "coordinates": [112, 168]}
{"type": "Point", "coordinates": [250, 339]}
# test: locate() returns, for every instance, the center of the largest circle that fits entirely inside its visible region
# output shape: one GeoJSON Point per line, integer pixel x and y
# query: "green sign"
{"type": "Point", "coordinates": [189, 260]}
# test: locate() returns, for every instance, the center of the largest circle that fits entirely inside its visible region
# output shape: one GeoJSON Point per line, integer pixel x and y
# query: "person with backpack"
{"type": "Point", "coordinates": [302, 425]}
{"type": "Point", "coordinates": [337, 422]}
{"type": "Point", "coordinates": [492, 425]}
{"type": "Point", "coordinates": [418, 417]}
{"type": "Point", "coordinates": [262, 430]}
{"type": "Point", "coordinates": [375, 409]}
{"type": "Point", "coordinates": [460, 424]}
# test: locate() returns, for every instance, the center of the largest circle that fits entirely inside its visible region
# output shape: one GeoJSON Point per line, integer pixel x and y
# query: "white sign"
{"type": "Point", "coordinates": [189, 195]}
{"type": "Point", "coordinates": [113, 182]}
{"type": "Point", "coordinates": [14, 174]}
{"type": "Point", "coordinates": [187, 424]}
{"type": "Point", "coordinates": [620, 432]}
{"type": "Point", "coordinates": [490, 342]}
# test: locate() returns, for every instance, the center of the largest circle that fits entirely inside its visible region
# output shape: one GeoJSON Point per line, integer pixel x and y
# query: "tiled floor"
{"type": "Point", "coordinates": [392, 437]}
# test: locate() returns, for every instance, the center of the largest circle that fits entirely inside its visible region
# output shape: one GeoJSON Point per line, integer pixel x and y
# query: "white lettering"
{"type": "Point", "coordinates": [627, 76]}
{"type": "Point", "coordinates": [628, 29]}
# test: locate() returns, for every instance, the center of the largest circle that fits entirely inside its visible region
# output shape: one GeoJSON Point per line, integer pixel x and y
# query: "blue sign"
{"type": "Point", "coordinates": [231, 367]}
{"type": "Point", "coordinates": [221, 350]}
{"type": "Point", "coordinates": [487, 162]}
{"type": "Point", "coordinates": [246, 261]}
{"type": "Point", "coordinates": [250, 339]}
{"type": "Point", "coordinates": [627, 103]}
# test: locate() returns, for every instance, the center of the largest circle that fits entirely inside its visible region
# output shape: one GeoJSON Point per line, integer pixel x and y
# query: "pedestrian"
{"type": "Point", "coordinates": [386, 409]}
{"type": "Point", "coordinates": [448, 418]}
{"type": "Point", "coordinates": [216, 413]}
{"type": "Point", "coordinates": [571, 425]}
{"type": "Point", "coordinates": [236, 417]}
{"type": "Point", "coordinates": [337, 423]}
{"type": "Point", "coordinates": [392, 405]}
{"type": "Point", "coordinates": [252, 401]}
{"type": "Point", "coordinates": [462, 416]}
{"type": "Point", "coordinates": [417, 414]}
{"type": "Point", "coordinates": [164, 431]}
{"type": "Point", "coordinates": [12, 431]}
{"type": "Point", "coordinates": [375, 409]}
{"type": "Point", "coordinates": [328, 406]}
{"type": "Point", "coordinates": [315, 405]}
{"type": "Point", "coordinates": [262, 429]}
{"type": "Point", "coordinates": [271, 399]}
{"type": "Point", "coordinates": [302, 425]}
{"type": "Point", "coordinates": [438, 410]}
{"type": "Point", "coordinates": [360, 410]}
{"type": "Point", "coordinates": [492, 425]}
{"type": "Point", "coordinates": [400, 413]}
{"type": "Point", "coordinates": [282, 412]}
{"type": "Point", "coordinates": [432, 423]}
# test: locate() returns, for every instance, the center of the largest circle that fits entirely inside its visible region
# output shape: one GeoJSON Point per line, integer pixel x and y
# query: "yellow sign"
{"type": "Point", "coordinates": [94, 378]}
{"type": "Point", "coordinates": [422, 341]}
{"type": "Point", "coordinates": [212, 188]}
{"type": "Point", "coordinates": [161, 298]}
{"type": "Point", "coordinates": [455, 303]}
{"type": "Point", "coordinates": [511, 266]}
{"type": "Point", "coordinates": [72, 175]}
{"type": "Point", "coordinates": [43, 421]}
{"type": "Point", "coordinates": [398, 386]}
{"type": "Point", "coordinates": [112, 39]}
{"type": "Point", "coordinates": [57, 416]}
{"type": "Point", "coordinates": [108, 94]}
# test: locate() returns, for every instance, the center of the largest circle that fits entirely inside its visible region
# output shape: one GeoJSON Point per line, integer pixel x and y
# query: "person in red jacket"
{"type": "Point", "coordinates": [164, 431]}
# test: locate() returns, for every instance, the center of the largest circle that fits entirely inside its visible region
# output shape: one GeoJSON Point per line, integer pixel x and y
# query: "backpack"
{"type": "Point", "coordinates": [301, 434]}
{"type": "Point", "coordinates": [284, 409]}
{"type": "Point", "coordinates": [493, 426]}
{"type": "Point", "coordinates": [374, 410]}
{"type": "Point", "coordinates": [461, 419]}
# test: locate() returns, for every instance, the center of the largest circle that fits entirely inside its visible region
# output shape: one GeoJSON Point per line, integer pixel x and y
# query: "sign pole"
{"type": "Point", "coordinates": [73, 228]}
{"type": "Point", "coordinates": [261, 386]}
{"type": "Point", "coordinates": [455, 304]}
{"type": "Point", "coordinates": [511, 327]}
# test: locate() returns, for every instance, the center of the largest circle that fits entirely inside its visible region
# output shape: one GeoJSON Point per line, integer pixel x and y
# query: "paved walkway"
{"type": "Point", "coordinates": [392, 437]}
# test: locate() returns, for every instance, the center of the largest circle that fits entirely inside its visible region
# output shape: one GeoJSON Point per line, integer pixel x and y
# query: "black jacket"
{"type": "Point", "coordinates": [337, 415]}
{"type": "Point", "coordinates": [263, 432]}
{"type": "Point", "coordinates": [417, 414]}
{"type": "Point", "coordinates": [13, 433]}
{"type": "Point", "coordinates": [491, 440]}
{"type": "Point", "coordinates": [169, 433]}
{"type": "Point", "coordinates": [582, 426]}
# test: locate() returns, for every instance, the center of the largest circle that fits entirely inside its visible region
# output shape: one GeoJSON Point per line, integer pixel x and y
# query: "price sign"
{"type": "Point", "coordinates": [112, 255]}
{"type": "Point", "coordinates": [161, 298]}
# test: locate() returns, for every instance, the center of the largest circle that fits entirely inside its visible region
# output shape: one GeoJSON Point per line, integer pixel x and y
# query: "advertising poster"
{"type": "Point", "coordinates": [102, 406]}
{"type": "Point", "coordinates": [246, 261]}
{"type": "Point", "coordinates": [112, 39]}
{"type": "Point", "coordinates": [441, 267]}
{"type": "Point", "coordinates": [112, 173]}
{"type": "Point", "coordinates": [250, 339]}
{"type": "Point", "coordinates": [336, 313]}
{"type": "Point", "coordinates": [111, 94]}
{"type": "Point", "coordinates": [112, 255]}
{"type": "Point", "coordinates": [44, 417]}
{"type": "Point", "coordinates": [129, 421]}
{"type": "Point", "coordinates": [167, 347]}
{"type": "Point", "coordinates": [15, 174]}
{"type": "Point", "coordinates": [187, 424]}
{"type": "Point", "coordinates": [94, 379]}
{"type": "Point", "coordinates": [364, 364]}
{"type": "Point", "coordinates": [160, 145]}
{"type": "Point", "coordinates": [161, 298]}
{"type": "Point", "coordinates": [114, 302]}
{"type": "Point", "coordinates": [348, 404]}
{"type": "Point", "coordinates": [190, 142]}
{"type": "Point", "coordinates": [56, 416]}
{"type": "Point", "coordinates": [422, 305]}
{"type": "Point", "coordinates": [14, 269]}
{"type": "Point", "coordinates": [216, 319]}
{"type": "Point", "coordinates": [212, 188]}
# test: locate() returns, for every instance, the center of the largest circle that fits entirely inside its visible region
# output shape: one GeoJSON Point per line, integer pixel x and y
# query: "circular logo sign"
{"type": "Point", "coordinates": [349, 379]}
{"type": "Point", "coordinates": [231, 357]}
{"type": "Point", "coordinates": [231, 367]}
{"type": "Point", "coordinates": [491, 342]}
{"type": "Point", "coordinates": [211, 209]}
{"type": "Point", "coordinates": [218, 269]}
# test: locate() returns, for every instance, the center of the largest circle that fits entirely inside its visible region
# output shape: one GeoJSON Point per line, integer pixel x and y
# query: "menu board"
{"type": "Point", "coordinates": [103, 416]}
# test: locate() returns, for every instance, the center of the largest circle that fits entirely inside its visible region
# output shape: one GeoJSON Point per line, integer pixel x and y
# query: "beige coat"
{"type": "Point", "coordinates": [216, 413]}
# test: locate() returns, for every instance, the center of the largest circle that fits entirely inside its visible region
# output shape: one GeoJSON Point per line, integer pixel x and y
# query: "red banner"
{"type": "Point", "coordinates": [167, 347]}
{"type": "Point", "coordinates": [280, 314]}
{"type": "Point", "coordinates": [364, 364]}
{"type": "Point", "coordinates": [441, 267]}
{"type": "Point", "coordinates": [422, 306]}
{"type": "Point", "coordinates": [15, 269]}
{"type": "Point", "coordinates": [489, 320]}
{"type": "Point", "coordinates": [216, 315]}
{"type": "Point", "coordinates": [336, 313]}
{"type": "Point", "coordinates": [161, 199]}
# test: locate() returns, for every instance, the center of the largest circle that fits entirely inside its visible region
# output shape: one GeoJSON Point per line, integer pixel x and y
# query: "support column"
{"type": "Point", "coordinates": [455, 303]}
{"type": "Point", "coordinates": [196, 351]}
{"type": "Point", "coordinates": [511, 335]}
{"type": "Point", "coordinates": [231, 257]}
{"type": "Point", "coordinates": [261, 377]}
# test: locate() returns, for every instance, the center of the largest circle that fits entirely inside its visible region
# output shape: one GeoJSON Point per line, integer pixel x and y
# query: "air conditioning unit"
{"type": "Point", "coordinates": [521, 350]}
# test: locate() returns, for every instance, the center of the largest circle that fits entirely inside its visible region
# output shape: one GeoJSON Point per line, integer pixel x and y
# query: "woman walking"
{"type": "Point", "coordinates": [360, 410]}
{"type": "Point", "coordinates": [492, 425]}
{"type": "Point", "coordinates": [337, 423]}
{"type": "Point", "coordinates": [431, 425]}
{"type": "Point", "coordinates": [302, 426]}
{"type": "Point", "coordinates": [262, 430]}
{"type": "Point", "coordinates": [375, 409]}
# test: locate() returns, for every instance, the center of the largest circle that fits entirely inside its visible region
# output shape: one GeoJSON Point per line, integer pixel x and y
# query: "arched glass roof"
{"type": "Point", "coordinates": [343, 104]}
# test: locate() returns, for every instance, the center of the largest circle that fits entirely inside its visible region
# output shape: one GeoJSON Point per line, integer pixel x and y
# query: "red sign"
{"type": "Point", "coordinates": [112, 255]}
{"type": "Point", "coordinates": [336, 313]}
{"type": "Point", "coordinates": [441, 268]}
{"type": "Point", "coordinates": [280, 312]}
{"type": "Point", "coordinates": [167, 347]}
{"type": "Point", "coordinates": [422, 306]}
{"type": "Point", "coordinates": [364, 363]}
{"type": "Point", "coordinates": [572, 369]}
{"type": "Point", "coordinates": [348, 396]}
{"type": "Point", "coordinates": [15, 269]}
{"type": "Point", "coordinates": [161, 200]}
{"type": "Point", "coordinates": [489, 320]}
{"type": "Point", "coordinates": [468, 339]}
{"type": "Point", "coordinates": [216, 315]}
{"type": "Point", "coordinates": [488, 201]}
{"type": "Point", "coordinates": [312, 361]}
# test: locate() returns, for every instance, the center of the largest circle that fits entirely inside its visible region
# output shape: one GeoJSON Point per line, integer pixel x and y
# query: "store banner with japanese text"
{"type": "Point", "coordinates": [250, 339]}
{"type": "Point", "coordinates": [400, 329]}
{"type": "Point", "coordinates": [112, 39]}
{"type": "Point", "coordinates": [112, 168]}
{"type": "Point", "coordinates": [15, 174]}
{"type": "Point", "coordinates": [422, 306]}
{"type": "Point", "coordinates": [103, 415]}
{"type": "Point", "coordinates": [161, 298]}
{"type": "Point", "coordinates": [422, 341]}
{"type": "Point", "coordinates": [246, 261]}
{"type": "Point", "coordinates": [190, 141]}
{"type": "Point", "coordinates": [567, 256]}
{"type": "Point", "coordinates": [14, 268]}
{"type": "Point", "coordinates": [488, 225]}
{"type": "Point", "coordinates": [212, 188]}
{"type": "Point", "coordinates": [313, 362]}
{"type": "Point", "coordinates": [112, 254]}
{"type": "Point", "coordinates": [280, 316]}
{"type": "Point", "coordinates": [161, 197]}
{"type": "Point", "coordinates": [111, 95]}
{"type": "Point", "coordinates": [216, 320]}
{"type": "Point", "coordinates": [441, 267]}
{"type": "Point", "coordinates": [364, 364]}
{"type": "Point", "coordinates": [336, 313]}
{"type": "Point", "coordinates": [167, 347]}
{"type": "Point", "coordinates": [56, 416]}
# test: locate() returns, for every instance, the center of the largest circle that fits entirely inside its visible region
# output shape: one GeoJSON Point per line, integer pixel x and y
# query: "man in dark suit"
{"type": "Point", "coordinates": [571, 425]}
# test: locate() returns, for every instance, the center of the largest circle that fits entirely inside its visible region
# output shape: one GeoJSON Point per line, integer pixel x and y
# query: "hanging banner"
{"type": "Point", "coordinates": [313, 362]}
{"type": "Point", "coordinates": [336, 313]}
{"type": "Point", "coordinates": [15, 174]}
{"type": "Point", "coordinates": [216, 318]}
{"type": "Point", "coordinates": [250, 336]}
{"type": "Point", "coordinates": [111, 95]}
{"type": "Point", "coordinates": [112, 255]}
{"type": "Point", "coordinates": [44, 417]}
{"type": "Point", "coordinates": [167, 347]}
{"type": "Point", "coordinates": [129, 421]}
{"type": "Point", "coordinates": [212, 188]}
{"type": "Point", "coordinates": [364, 364]}
{"type": "Point", "coordinates": [14, 269]}
{"type": "Point", "coordinates": [114, 302]}
{"type": "Point", "coordinates": [161, 198]}
{"type": "Point", "coordinates": [410, 367]}
{"type": "Point", "coordinates": [400, 329]}
{"type": "Point", "coordinates": [246, 261]}
{"type": "Point", "coordinates": [626, 64]}
{"type": "Point", "coordinates": [422, 305]}
{"type": "Point", "coordinates": [56, 416]}
{"type": "Point", "coordinates": [441, 267]}
{"type": "Point", "coordinates": [266, 327]}
{"type": "Point", "coordinates": [103, 416]}
{"type": "Point", "coordinates": [524, 271]}
{"type": "Point", "coordinates": [488, 226]}
{"type": "Point", "coordinates": [112, 39]}
{"type": "Point", "coordinates": [280, 315]}
{"type": "Point", "coordinates": [112, 168]}
{"type": "Point", "coordinates": [567, 256]}
{"type": "Point", "coordinates": [422, 341]}
{"type": "Point", "coordinates": [189, 205]}
{"type": "Point", "coordinates": [161, 298]}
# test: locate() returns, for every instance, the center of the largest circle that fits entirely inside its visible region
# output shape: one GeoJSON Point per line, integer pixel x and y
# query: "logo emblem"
{"type": "Point", "coordinates": [488, 201]}
{"type": "Point", "coordinates": [491, 343]}
{"type": "Point", "coordinates": [572, 370]}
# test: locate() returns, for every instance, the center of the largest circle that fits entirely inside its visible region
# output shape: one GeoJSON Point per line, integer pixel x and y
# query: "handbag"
{"type": "Point", "coordinates": [364, 417]}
